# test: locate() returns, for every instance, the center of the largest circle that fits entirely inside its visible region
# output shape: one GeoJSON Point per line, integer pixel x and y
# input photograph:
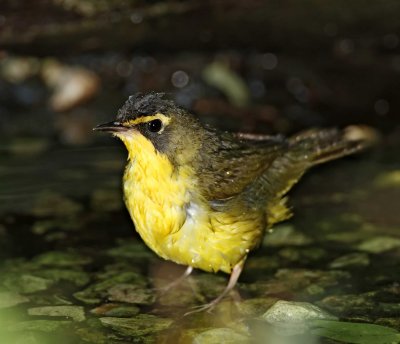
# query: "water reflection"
{"type": "Point", "coordinates": [74, 269]}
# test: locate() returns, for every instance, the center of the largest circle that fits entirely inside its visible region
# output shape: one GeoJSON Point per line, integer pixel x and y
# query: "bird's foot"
{"type": "Point", "coordinates": [237, 269]}
{"type": "Point", "coordinates": [208, 307]}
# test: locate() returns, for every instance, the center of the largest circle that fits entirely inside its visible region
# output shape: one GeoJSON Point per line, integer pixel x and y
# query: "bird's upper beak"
{"type": "Point", "coordinates": [111, 127]}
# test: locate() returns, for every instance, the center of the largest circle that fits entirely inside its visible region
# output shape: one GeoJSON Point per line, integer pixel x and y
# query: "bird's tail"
{"type": "Point", "coordinates": [322, 145]}
{"type": "Point", "coordinates": [305, 150]}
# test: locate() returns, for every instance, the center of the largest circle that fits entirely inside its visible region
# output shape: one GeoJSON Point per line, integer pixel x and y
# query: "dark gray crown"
{"type": "Point", "coordinates": [144, 104]}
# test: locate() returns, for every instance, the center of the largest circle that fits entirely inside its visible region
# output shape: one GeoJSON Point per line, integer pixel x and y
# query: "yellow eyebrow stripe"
{"type": "Point", "coordinates": [146, 119]}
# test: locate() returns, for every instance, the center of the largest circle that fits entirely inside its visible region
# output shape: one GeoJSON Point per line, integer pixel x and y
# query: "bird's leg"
{"type": "Point", "coordinates": [236, 271]}
{"type": "Point", "coordinates": [177, 281]}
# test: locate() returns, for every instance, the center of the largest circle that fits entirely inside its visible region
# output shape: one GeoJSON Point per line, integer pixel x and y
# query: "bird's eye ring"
{"type": "Point", "coordinates": [155, 125]}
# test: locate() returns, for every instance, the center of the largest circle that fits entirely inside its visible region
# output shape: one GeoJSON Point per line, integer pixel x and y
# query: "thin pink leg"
{"type": "Point", "coordinates": [237, 270]}
{"type": "Point", "coordinates": [177, 281]}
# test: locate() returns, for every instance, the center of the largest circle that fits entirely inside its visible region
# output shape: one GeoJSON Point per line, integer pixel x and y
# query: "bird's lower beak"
{"type": "Point", "coordinates": [111, 127]}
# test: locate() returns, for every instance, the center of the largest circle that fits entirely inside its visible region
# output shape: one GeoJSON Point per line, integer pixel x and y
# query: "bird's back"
{"type": "Point", "coordinates": [256, 172]}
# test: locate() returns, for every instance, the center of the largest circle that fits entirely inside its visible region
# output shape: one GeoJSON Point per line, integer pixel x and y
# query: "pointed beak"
{"type": "Point", "coordinates": [111, 127]}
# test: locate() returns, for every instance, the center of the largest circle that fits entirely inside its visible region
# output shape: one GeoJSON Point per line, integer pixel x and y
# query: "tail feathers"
{"type": "Point", "coordinates": [305, 150]}
{"type": "Point", "coordinates": [319, 146]}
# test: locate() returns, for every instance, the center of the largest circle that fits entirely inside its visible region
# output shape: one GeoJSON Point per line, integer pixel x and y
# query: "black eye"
{"type": "Point", "coordinates": [154, 125]}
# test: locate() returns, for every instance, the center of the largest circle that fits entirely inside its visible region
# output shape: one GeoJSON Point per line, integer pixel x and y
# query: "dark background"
{"type": "Point", "coordinates": [265, 66]}
{"type": "Point", "coordinates": [259, 66]}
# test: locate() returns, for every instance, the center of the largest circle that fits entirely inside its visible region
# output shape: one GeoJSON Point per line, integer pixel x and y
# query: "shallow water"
{"type": "Point", "coordinates": [74, 270]}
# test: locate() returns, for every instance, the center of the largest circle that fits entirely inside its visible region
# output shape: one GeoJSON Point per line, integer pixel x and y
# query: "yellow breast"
{"type": "Point", "coordinates": [174, 220]}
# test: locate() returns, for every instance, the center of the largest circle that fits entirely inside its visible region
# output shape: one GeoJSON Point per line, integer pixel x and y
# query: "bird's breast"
{"type": "Point", "coordinates": [155, 193]}
{"type": "Point", "coordinates": [176, 222]}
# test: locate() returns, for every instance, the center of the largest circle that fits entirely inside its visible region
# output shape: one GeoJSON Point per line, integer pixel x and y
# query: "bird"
{"type": "Point", "coordinates": [204, 198]}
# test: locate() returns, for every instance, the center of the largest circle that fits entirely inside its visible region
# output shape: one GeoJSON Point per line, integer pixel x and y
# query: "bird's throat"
{"type": "Point", "coordinates": [155, 192]}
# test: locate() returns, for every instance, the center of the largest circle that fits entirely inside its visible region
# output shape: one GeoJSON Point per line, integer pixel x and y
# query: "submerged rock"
{"type": "Point", "coordinates": [351, 303]}
{"type": "Point", "coordinates": [49, 300]}
{"type": "Point", "coordinates": [392, 322]}
{"type": "Point", "coordinates": [77, 277]}
{"type": "Point", "coordinates": [62, 259]}
{"type": "Point", "coordinates": [293, 317]}
{"type": "Point", "coordinates": [220, 335]}
{"type": "Point", "coordinates": [76, 313]}
{"type": "Point", "coordinates": [351, 260]}
{"type": "Point", "coordinates": [25, 283]}
{"type": "Point", "coordinates": [10, 299]}
{"type": "Point", "coordinates": [43, 272]}
{"type": "Point", "coordinates": [284, 235]}
{"type": "Point", "coordinates": [132, 249]}
{"type": "Point", "coordinates": [131, 293]}
{"type": "Point", "coordinates": [38, 325]}
{"type": "Point", "coordinates": [98, 291]}
{"type": "Point", "coordinates": [142, 325]}
{"type": "Point", "coordinates": [291, 311]}
{"type": "Point", "coordinates": [303, 255]}
{"type": "Point", "coordinates": [116, 310]}
{"type": "Point", "coordinates": [255, 306]}
{"type": "Point", "coordinates": [379, 244]}
{"type": "Point", "coordinates": [53, 226]}
{"type": "Point", "coordinates": [92, 331]}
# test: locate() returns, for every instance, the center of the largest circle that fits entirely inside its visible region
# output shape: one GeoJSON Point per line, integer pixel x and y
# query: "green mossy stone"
{"type": "Point", "coordinates": [49, 300]}
{"type": "Point", "coordinates": [393, 322]}
{"type": "Point", "coordinates": [389, 309]}
{"type": "Point", "coordinates": [351, 260]}
{"type": "Point", "coordinates": [142, 325]}
{"type": "Point", "coordinates": [131, 293]}
{"type": "Point", "coordinates": [25, 283]}
{"type": "Point", "coordinates": [76, 277]}
{"type": "Point", "coordinates": [286, 312]}
{"type": "Point", "coordinates": [349, 304]}
{"type": "Point", "coordinates": [379, 244]}
{"type": "Point", "coordinates": [10, 299]}
{"type": "Point", "coordinates": [98, 291]}
{"type": "Point", "coordinates": [285, 235]}
{"type": "Point", "coordinates": [53, 226]}
{"type": "Point", "coordinates": [38, 325]}
{"type": "Point", "coordinates": [256, 306]}
{"type": "Point", "coordinates": [116, 310]}
{"type": "Point", "coordinates": [122, 266]}
{"type": "Point", "coordinates": [302, 255]}
{"type": "Point", "coordinates": [134, 250]}
{"type": "Point", "coordinates": [92, 331]}
{"type": "Point", "coordinates": [89, 335]}
{"type": "Point", "coordinates": [76, 313]}
{"type": "Point", "coordinates": [61, 259]}
{"type": "Point", "coordinates": [299, 279]}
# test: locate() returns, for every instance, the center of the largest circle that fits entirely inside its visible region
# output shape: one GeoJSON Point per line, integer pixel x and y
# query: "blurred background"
{"type": "Point", "coordinates": [258, 66]}
{"type": "Point", "coordinates": [250, 65]}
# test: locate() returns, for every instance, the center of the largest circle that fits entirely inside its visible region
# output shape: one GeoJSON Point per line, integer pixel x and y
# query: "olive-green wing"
{"type": "Point", "coordinates": [235, 161]}
{"type": "Point", "coordinates": [305, 150]}
{"type": "Point", "coordinates": [258, 171]}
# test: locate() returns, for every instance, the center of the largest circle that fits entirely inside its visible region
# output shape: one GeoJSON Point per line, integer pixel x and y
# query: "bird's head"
{"type": "Point", "coordinates": [152, 120]}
